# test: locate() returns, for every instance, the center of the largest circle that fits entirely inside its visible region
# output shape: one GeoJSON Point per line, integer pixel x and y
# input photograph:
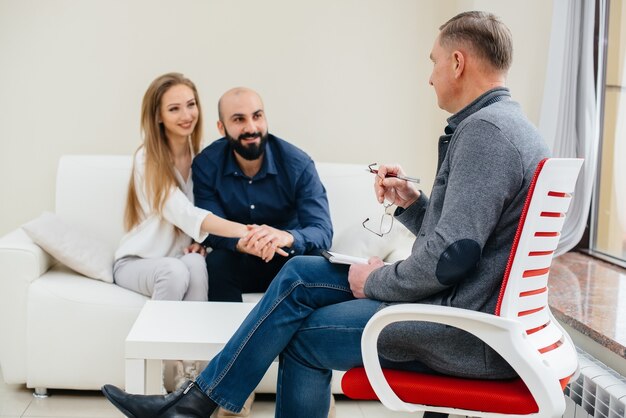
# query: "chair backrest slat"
{"type": "Point", "coordinates": [545, 337]}
{"type": "Point", "coordinates": [524, 293]}
{"type": "Point", "coordinates": [539, 259]}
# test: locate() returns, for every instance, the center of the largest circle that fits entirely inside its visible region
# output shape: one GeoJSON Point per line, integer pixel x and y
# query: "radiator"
{"type": "Point", "coordinates": [599, 392]}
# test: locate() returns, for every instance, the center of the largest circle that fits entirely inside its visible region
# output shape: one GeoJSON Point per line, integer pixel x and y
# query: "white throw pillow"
{"type": "Point", "coordinates": [77, 249]}
{"type": "Point", "coordinates": [359, 242]}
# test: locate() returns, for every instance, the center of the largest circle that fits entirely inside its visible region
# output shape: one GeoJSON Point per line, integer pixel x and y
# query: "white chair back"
{"type": "Point", "coordinates": [524, 294]}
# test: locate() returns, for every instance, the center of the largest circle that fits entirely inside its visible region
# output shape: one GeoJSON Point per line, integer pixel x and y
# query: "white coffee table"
{"type": "Point", "coordinates": [167, 330]}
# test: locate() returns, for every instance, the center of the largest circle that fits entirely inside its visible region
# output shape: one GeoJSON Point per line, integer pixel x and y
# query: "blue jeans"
{"type": "Point", "coordinates": [310, 320]}
{"type": "Point", "coordinates": [291, 322]}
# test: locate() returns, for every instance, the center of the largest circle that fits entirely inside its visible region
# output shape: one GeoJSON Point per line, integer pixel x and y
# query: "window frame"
{"type": "Point", "coordinates": [602, 24]}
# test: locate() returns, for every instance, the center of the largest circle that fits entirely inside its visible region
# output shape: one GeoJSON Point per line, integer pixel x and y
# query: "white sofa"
{"type": "Point", "coordinates": [59, 329]}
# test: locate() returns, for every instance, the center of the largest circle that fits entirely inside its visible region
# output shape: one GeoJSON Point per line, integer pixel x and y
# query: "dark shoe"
{"type": "Point", "coordinates": [429, 414]}
{"type": "Point", "coordinates": [187, 401]}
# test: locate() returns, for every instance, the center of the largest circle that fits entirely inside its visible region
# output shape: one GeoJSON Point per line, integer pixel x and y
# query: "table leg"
{"type": "Point", "coordinates": [144, 377]}
{"type": "Point", "coordinates": [136, 376]}
{"type": "Point", "coordinates": [154, 377]}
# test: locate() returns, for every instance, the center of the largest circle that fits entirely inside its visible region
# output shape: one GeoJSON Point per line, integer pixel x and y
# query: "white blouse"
{"type": "Point", "coordinates": [157, 236]}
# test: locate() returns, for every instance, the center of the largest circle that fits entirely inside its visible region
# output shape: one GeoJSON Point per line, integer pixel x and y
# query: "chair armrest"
{"type": "Point", "coordinates": [505, 336]}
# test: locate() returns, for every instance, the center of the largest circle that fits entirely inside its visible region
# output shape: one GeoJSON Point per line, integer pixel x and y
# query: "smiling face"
{"type": "Point", "coordinates": [242, 121]}
{"type": "Point", "coordinates": [178, 112]}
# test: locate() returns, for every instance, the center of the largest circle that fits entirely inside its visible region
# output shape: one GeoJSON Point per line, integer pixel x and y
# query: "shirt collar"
{"type": "Point", "coordinates": [484, 100]}
{"type": "Point", "coordinates": [267, 167]}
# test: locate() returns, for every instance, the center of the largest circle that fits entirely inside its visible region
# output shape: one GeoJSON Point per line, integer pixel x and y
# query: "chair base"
{"type": "Point", "coordinates": [429, 414]}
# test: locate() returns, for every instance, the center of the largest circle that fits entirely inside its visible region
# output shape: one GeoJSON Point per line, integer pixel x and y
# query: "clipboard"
{"type": "Point", "coordinates": [337, 258]}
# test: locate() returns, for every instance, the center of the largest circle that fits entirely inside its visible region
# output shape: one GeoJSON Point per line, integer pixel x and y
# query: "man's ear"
{"type": "Point", "coordinates": [220, 128]}
{"type": "Point", "coordinates": [459, 63]}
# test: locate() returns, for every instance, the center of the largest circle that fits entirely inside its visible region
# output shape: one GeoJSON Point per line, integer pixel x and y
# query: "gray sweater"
{"type": "Point", "coordinates": [464, 235]}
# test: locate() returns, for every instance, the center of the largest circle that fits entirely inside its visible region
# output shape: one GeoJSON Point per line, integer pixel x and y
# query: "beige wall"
{"type": "Point", "coordinates": [347, 80]}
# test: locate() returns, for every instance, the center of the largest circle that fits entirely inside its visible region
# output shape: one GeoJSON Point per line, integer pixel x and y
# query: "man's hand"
{"type": "Point", "coordinates": [358, 274]}
{"type": "Point", "coordinates": [195, 248]}
{"type": "Point", "coordinates": [264, 242]}
{"type": "Point", "coordinates": [397, 191]}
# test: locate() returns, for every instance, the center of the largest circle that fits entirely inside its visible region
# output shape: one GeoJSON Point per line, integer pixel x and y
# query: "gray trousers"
{"type": "Point", "coordinates": [167, 278]}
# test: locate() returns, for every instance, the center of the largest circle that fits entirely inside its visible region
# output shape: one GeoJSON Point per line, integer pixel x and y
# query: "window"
{"type": "Point", "coordinates": [608, 222]}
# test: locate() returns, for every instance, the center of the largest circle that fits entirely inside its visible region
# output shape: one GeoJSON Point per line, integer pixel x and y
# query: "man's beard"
{"type": "Point", "coordinates": [249, 152]}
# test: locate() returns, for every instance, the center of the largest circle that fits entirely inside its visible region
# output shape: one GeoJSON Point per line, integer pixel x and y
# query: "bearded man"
{"type": "Point", "coordinates": [253, 177]}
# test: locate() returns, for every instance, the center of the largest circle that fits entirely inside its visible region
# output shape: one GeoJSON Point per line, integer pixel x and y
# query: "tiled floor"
{"type": "Point", "coordinates": [17, 401]}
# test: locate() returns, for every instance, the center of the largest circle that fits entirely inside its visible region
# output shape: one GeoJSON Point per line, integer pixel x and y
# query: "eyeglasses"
{"type": "Point", "coordinates": [386, 222]}
{"type": "Point", "coordinates": [371, 168]}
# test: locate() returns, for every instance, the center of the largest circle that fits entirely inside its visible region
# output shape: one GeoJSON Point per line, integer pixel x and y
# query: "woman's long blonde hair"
{"type": "Point", "coordinates": [159, 175]}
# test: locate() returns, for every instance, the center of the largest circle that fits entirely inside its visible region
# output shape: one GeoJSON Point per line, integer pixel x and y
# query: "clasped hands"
{"type": "Point", "coordinates": [265, 242]}
{"type": "Point", "coordinates": [262, 241]}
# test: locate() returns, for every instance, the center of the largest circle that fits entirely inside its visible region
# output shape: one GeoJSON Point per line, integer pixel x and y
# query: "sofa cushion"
{"type": "Point", "coordinates": [359, 242]}
{"type": "Point", "coordinates": [72, 246]}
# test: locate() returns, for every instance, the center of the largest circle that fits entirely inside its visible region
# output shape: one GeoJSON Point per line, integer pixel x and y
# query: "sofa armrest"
{"type": "Point", "coordinates": [21, 262]}
{"type": "Point", "coordinates": [20, 253]}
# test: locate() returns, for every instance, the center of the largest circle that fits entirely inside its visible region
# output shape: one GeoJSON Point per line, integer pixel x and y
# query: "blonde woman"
{"type": "Point", "coordinates": [158, 256]}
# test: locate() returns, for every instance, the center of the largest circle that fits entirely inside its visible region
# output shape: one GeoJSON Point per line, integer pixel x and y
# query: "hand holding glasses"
{"type": "Point", "coordinates": [386, 222]}
{"type": "Point", "coordinates": [393, 186]}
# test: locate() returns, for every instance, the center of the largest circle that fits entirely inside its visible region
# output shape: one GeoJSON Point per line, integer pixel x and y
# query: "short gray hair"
{"type": "Point", "coordinates": [484, 33]}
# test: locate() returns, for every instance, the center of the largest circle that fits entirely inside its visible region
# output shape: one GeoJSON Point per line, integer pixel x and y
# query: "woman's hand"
{"type": "Point", "coordinates": [264, 242]}
{"type": "Point", "coordinates": [195, 248]}
{"type": "Point", "coordinates": [397, 191]}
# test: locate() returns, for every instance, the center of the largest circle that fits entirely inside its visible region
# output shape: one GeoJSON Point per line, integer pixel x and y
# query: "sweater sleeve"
{"type": "Point", "coordinates": [413, 216]}
{"type": "Point", "coordinates": [483, 176]}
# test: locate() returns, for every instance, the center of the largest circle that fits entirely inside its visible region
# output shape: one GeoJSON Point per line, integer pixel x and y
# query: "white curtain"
{"type": "Point", "coordinates": [569, 119]}
{"type": "Point", "coordinates": [619, 167]}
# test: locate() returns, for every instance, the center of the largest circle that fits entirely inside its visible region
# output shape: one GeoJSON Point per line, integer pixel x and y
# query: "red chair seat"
{"type": "Point", "coordinates": [499, 396]}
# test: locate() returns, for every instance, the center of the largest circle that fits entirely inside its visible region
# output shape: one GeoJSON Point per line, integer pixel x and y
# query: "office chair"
{"type": "Point", "coordinates": [522, 329]}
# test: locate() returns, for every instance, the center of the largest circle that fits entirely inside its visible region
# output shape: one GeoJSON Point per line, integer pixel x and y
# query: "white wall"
{"type": "Point", "coordinates": [347, 80]}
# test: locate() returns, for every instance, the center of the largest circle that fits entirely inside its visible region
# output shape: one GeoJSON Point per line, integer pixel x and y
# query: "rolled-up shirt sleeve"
{"type": "Point", "coordinates": [315, 229]}
{"type": "Point", "coordinates": [177, 208]}
{"type": "Point", "coordinates": [179, 211]}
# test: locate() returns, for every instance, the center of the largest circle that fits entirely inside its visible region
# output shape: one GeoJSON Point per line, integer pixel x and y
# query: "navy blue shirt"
{"type": "Point", "coordinates": [286, 194]}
